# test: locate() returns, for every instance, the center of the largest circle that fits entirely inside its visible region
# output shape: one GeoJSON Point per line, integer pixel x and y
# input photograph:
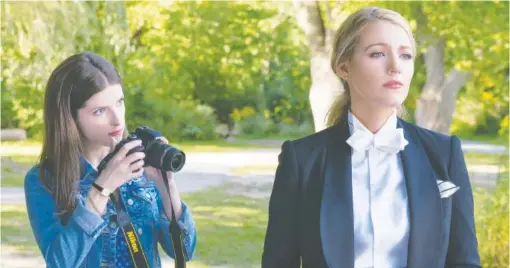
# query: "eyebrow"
{"type": "Point", "coordinates": [102, 107]}
{"type": "Point", "coordinates": [384, 44]}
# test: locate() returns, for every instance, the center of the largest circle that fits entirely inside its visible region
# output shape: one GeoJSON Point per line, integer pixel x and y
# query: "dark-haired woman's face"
{"type": "Point", "coordinates": [101, 120]}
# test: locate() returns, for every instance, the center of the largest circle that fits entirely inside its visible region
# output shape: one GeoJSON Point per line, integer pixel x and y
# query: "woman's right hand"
{"type": "Point", "coordinates": [122, 168]}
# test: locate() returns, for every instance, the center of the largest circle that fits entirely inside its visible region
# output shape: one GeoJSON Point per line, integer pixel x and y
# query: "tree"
{"type": "Point", "coordinates": [454, 53]}
{"type": "Point", "coordinates": [457, 54]}
{"type": "Point", "coordinates": [325, 84]}
{"type": "Point", "coordinates": [36, 37]}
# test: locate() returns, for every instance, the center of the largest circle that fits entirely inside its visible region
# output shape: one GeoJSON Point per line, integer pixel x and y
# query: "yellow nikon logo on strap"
{"type": "Point", "coordinates": [132, 240]}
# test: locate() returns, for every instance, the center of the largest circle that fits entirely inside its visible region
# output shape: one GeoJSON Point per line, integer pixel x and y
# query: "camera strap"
{"type": "Point", "coordinates": [132, 240]}
{"type": "Point", "coordinates": [131, 236]}
{"type": "Point", "coordinates": [175, 231]}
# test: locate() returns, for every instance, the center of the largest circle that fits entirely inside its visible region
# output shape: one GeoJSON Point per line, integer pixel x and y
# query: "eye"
{"type": "Point", "coordinates": [376, 54]}
{"type": "Point", "coordinates": [121, 101]}
{"type": "Point", "coordinates": [99, 111]}
{"type": "Point", "coordinates": [407, 56]}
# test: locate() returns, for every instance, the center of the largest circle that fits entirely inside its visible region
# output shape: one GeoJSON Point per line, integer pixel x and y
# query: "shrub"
{"type": "Point", "coordinates": [256, 125]}
{"type": "Point", "coordinates": [176, 119]}
{"type": "Point", "coordinates": [491, 216]}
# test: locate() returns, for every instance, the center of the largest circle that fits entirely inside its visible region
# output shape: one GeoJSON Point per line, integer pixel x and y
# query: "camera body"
{"type": "Point", "coordinates": [157, 154]}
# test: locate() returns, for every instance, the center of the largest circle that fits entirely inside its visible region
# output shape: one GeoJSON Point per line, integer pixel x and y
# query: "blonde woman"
{"type": "Point", "coordinates": [372, 190]}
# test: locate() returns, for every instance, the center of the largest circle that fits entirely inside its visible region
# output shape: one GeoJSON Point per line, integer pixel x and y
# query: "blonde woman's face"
{"type": "Point", "coordinates": [381, 67]}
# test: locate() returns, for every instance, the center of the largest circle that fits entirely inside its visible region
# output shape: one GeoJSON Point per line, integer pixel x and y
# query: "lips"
{"type": "Point", "coordinates": [116, 132]}
{"type": "Point", "coordinates": [393, 84]}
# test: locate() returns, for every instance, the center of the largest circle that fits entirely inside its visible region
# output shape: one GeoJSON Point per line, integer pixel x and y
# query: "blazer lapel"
{"type": "Point", "coordinates": [336, 220]}
{"type": "Point", "coordinates": [425, 207]}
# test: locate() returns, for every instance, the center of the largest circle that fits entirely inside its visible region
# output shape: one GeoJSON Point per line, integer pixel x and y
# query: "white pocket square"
{"type": "Point", "coordinates": [446, 188]}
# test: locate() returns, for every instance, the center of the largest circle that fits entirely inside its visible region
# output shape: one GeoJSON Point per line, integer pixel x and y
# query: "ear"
{"type": "Point", "coordinates": [341, 70]}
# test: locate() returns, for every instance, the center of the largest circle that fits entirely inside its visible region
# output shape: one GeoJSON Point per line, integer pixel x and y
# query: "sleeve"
{"type": "Point", "coordinates": [61, 246]}
{"type": "Point", "coordinates": [281, 240]}
{"type": "Point", "coordinates": [463, 244]}
{"type": "Point", "coordinates": [187, 226]}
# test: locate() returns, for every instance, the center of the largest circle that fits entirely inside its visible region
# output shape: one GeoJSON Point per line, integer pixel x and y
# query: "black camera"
{"type": "Point", "coordinates": [157, 154]}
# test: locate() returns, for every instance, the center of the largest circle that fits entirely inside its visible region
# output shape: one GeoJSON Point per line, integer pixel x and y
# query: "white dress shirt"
{"type": "Point", "coordinates": [381, 215]}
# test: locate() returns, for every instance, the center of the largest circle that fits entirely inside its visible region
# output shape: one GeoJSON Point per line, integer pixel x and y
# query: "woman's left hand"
{"type": "Point", "coordinates": [155, 174]}
{"type": "Point", "coordinates": [170, 196]}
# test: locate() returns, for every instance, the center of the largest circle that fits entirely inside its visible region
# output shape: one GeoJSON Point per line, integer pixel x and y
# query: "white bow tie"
{"type": "Point", "coordinates": [390, 141]}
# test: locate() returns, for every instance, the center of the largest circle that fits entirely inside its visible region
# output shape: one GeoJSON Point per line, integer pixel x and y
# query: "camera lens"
{"type": "Point", "coordinates": [173, 159]}
{"type": "Point", "coordinates": [164, 156]}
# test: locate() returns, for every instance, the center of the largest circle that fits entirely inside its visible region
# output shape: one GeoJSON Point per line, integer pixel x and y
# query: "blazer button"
{"type": "Point", "coordinates": [140, 231]}
{"type": "Point", "coordinates": [130, 201]}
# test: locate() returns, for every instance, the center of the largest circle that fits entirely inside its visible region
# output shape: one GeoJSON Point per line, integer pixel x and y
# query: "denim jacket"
{"type": "Point", "coordinates": [88, 240]}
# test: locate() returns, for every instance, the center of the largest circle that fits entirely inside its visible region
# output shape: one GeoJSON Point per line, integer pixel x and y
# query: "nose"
{"type": "Point", "coordinates": [116, 118]}
{"type": "Point", "coordinates": [393, 65]}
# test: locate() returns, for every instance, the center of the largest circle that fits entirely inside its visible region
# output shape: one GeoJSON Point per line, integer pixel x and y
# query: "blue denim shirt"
{"type": "Point", "coordinates": [88, 240]}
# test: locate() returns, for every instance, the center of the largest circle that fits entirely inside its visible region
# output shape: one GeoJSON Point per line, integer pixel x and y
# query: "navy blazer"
{"type": "Point", "coordinates": [311, 212]}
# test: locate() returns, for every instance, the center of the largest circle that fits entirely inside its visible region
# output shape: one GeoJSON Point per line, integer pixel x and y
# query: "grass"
{"type": "Point", "coordinates": [488, 138]}
{"type": "Point", "coordinates": [231, 229]}
{"type": "Point", "coordinates": [248, 169]}
{"type": "Point", "coordinates": [9, 147]}
{"type": "Point", "coordinates": [19, 156]}
{"type": "Point", "coordinates": [14, 168]}
{"type": "Point", "coordinates": [473, 158]}
{"type": "Point", "coordinates": [16, 232]}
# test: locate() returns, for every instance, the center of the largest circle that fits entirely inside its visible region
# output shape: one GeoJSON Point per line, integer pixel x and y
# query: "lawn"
{"type": "Point", "coordinates": [18, 157]}
{"type": "Point", "coordinates": [473, 158]}
{"type": "Point", "coordinates": [231, 229]}
{"type": "Point", "coordinates": [187, 146]}
{"type": "Point", "coordinates": [230, 226]}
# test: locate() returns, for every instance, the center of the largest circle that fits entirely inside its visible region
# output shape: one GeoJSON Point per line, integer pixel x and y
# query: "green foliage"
{"type": "Point", "coordinates": [177, 119]}
{"type": "Point", "coordinates": [37, 37]}
{"type": "Point", "coordinates": [504, 129]}
{"type": "Point", "coordinates": [491, 215]}
{"type": "Point", "coordinates": [484, 101]}
{"type": "Point", "coordinates": [225, 54]}
{"type": "Point", "coordinates": [189, 64]}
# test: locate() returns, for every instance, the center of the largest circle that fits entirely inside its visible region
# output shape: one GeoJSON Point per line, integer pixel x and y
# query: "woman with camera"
{"type": "Point", "coordinates": [73, 209]}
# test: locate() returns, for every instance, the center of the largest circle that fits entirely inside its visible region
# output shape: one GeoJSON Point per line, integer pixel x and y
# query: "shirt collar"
{"type": "Point", "coordinates": [86, 167]}
{"type": "Point", "coordinates": [355, 124]}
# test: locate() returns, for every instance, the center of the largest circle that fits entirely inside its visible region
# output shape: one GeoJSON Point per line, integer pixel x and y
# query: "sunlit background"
{"type": "Point", "coordinates": [229, 81]}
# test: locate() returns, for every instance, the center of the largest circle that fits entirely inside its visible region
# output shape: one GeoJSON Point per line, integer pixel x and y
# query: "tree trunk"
{"type": "Point", "coordinates": [436, 105]}
{"type": "Point", "coordinates": [325, 84]}
{"type": "Point", "coordinates": [325, 88]}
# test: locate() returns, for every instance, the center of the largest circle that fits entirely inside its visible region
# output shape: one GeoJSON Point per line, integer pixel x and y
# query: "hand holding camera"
{"type": "Point", "coordinates": [126, 157]}
{"type": "Point", "coordinates": [124, 164]}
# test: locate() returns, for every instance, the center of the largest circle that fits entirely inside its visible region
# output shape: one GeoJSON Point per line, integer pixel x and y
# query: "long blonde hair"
{"type": "Point", "coordinates": [346, 39]}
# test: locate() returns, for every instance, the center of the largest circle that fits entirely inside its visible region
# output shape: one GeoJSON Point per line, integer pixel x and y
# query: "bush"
{"type": "Point", "coordinates": [491, 216]}
{"type": "Point", "coordinates": [256, 125]}
{"type": "Point", "coordinates": [176, 119]}
{"type": "Point", "coordinates": [295, 130]}
{"type": "Point", "coordinates": [503, 129]}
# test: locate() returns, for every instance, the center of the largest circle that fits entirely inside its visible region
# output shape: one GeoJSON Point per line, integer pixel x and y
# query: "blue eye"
{"type": "Point", "coordinates": [376, 54]}
{"type": "Point", "coordinates": [99, 111]}
{"type": "Point", "coordinates": [407, 56]}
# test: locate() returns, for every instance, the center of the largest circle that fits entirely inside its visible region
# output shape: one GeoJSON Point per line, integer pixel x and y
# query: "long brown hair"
{"type": "Point", "coordinates": [70, 85]}
{"type": "Point", "coordinates": [346, 38]}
